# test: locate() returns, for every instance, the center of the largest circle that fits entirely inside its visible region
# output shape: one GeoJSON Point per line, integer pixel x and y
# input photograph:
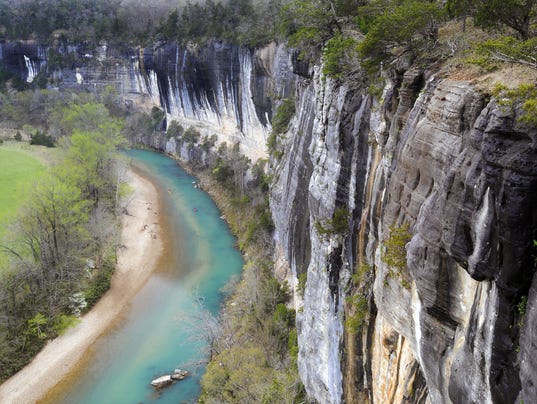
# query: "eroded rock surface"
{"type": "Point", "coordinates": [457, 324]}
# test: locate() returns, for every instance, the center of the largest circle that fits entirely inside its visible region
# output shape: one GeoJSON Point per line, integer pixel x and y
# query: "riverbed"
{"type": "Point", "coordinates": [165, 326]}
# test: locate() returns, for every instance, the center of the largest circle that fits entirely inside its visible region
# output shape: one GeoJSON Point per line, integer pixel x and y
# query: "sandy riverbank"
{"type": "Point", "coordinates": [142, 247]}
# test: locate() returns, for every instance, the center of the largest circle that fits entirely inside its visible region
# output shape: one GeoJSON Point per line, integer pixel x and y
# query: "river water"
{"type": "Point", "coordinates": [163, 329]}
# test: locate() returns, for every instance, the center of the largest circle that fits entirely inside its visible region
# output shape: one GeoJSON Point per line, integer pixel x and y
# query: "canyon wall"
{"type": "Point", "coordinates": [434, 160]}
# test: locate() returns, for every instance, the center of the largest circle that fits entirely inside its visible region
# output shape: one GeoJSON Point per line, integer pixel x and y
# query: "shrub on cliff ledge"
{"type": "Point", "coordinates": [282, 116]}
{"type": "Point", "coordinates": [338, 55]}
{"type": "Point", "coordinates": [359, 310]}
{"type": "Point", "coordinates": [339, 224]}
{"type": "Point", "coordinates": [394, 253]}
{"type": "Point", "coordinates": [524, 97]}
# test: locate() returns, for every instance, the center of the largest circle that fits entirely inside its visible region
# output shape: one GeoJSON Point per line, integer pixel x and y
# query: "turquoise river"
{"type": "Point", "coordinates": [163, 328]}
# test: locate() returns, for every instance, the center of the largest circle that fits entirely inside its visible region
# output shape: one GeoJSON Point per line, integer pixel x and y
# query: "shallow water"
{"type": "Point", "coordinates": [162, 329]}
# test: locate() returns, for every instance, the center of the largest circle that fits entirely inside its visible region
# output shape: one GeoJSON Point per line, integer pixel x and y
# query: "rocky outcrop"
{"type": "Point", "coordinates": [458, 170]}
{"type": "Point", "coordinates": [220, 89]}
{"type": "Point", "coordinates": [457, 179]}
{"type": "Point", "coordinates": [327, 153]}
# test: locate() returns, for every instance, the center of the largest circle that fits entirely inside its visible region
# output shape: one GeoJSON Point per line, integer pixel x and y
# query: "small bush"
{"type": "Point", "coordinates": [340, 221]}
{"type": "Point", "coordinates": [361, 272]}
{"type": "Point", "coordinates": [174, 130]}
{"type": "Point", "coordinates": [292, 344]}
{"type": "Point", "coordinates": [64, 322]}
{"type": "Point", "coordinates": [157, 117]}
{"type": "Point", "coordinates": [191, 135]}
{"type": "Point", "coordinates": [339, 224]}
{"type": "Point", "coordinates": [524, 96]}
{"type": "Point", "coordinates": [274, 146]}
{"type": "Point", "coordinates": [208, 142]}
{"type": "Point", "coordinates": [282, 116]}
{"type": "Point", "coordinates": [359, 310]}
{"type": "Point", "coordinates": [301, 287]}
{"type": "Point", "coordinates": [394, 254]}
{"type": "Point", "coordinates": [282, 321]}
{"type": "Point", "coordinates": [410, 26]}
{"type": "Point", "coordinates": [507, 49]}
{"type": "Point", "coordinates": [41, 139]}
{"type": "Point", "coordinates": [272, 142]}
{"type": "Point", "coordinates": [223, 173]}
{"type": "Point", "coordinates": [338, 54]}
{"type": "Point", "coordinates": [522, 305]}
{"type": "Point", "coordinates": [98, 285]}
{"type": "Point", "coordinates": [36, 326]}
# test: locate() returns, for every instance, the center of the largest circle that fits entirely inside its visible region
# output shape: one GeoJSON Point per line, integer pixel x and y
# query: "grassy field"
{"type": "Point", "coordinates": [20, 168]}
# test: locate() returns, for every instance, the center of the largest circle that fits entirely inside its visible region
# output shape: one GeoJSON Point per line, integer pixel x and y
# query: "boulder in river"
{"type": "Point", "coordinates": [179, 374]}
{"type": "Point", "coordinates": [166, 380]}
{"type": "Point", "coordinates": [162, 381]}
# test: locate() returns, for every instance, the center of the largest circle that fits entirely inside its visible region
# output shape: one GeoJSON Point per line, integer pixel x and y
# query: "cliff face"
{"type": "Point", "coordinates": [24, 59]}
{"type": "Point", "coordinates": [450, 326]}
{"type": "Point", "coordinates": [221, 89]}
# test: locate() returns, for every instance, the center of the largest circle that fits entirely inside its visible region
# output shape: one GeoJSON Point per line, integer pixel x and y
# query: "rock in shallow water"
{"type": "Point", "coordinates": [167, 380]}
{"type": "Point", "coordinates": [162, 381]}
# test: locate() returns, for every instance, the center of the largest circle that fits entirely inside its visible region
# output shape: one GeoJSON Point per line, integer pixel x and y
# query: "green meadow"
{"type": "Point", "coordinates": [19, 170]}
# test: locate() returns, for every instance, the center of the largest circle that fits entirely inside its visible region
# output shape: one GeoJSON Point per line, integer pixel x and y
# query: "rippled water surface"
{"type": "Point", "coordinates": [162, 330]}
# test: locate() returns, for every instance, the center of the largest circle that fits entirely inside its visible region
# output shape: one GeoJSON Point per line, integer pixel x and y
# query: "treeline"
{"type": "Point", "coordinates": [245, 22]}
{"type": "Point", "coordinates": [50, 111]}
{"type": "Point", "coordinates": [60, 250]}
{"type": "Point", "coordinates": [344, 32]}
{"type": "Point", "coordinates": [350, 35]}
{"type": "Point", "coordinates": [73, 20]}
{"type": "Point", "coordinates": [137, 22]}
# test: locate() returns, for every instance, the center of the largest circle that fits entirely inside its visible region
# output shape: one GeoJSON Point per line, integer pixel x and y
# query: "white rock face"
{"type": "Point", "coordinates": [441, 163]}
{"type": "Point", "coordinates": [32, 69]}
{"type": "Point", "coordinates": [329, 123]}
{"type": "Point", "coordinates": [221, 90]}
{"type": "Point", "coordinates": [320, 324]}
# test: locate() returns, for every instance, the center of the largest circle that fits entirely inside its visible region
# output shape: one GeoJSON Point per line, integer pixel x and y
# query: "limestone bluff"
{"type": "Point", "coordinates": [432, 152]}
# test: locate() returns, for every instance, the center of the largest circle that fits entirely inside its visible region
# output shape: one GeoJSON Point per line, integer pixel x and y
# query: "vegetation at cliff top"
{"type": "Point", "coordinates": [523, 97]}
{"type": "Point", "coordinates": [347, 34]}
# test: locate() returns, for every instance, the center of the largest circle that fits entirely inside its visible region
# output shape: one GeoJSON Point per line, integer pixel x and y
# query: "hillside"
{"type": "Point", "coordinates": [376, 157]}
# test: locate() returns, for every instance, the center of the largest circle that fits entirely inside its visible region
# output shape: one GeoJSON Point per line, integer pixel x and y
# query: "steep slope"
{"type": "Point", "coordinates": [461, 172]}
{"type": "Point", "coordinates": [433, 160]}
